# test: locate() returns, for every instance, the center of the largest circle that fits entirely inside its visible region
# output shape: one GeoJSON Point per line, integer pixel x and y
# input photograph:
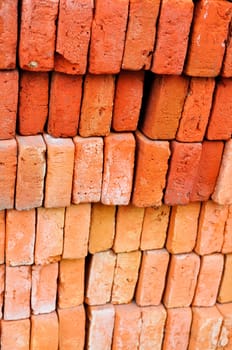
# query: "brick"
{"type": "Point", "coordinates": [88, 167]}
{"type": "Point", "coordinates": [227, 62]}
{"type": "Point", "coordinates": [102, 227]}
{"type": "Point", "coordinates": [49, 235]}
{"type": "Point", "coordinates": [177, 329]}
{"type": "Point", "coordinates": [164, 106]}
{"type": "Point", "coordinates": [171, 43]}
{"type": "Point", "coordinates": [71, 283]}
{"type": "Point", "coordinates": [196, 110]}
{"type": "Point", "coordinates": [225, 338]}
{"type": "Point", "coordinates": [208, 280]}
{"type": "Point", "coordinates": [125, 277]}
{"type": "Point", "coordinates": [100, 326]}
{"type": "Point", "coordinates": [2, 235]}
{"type": "Point", "coordinates": [64, 105]}
{"type": "Point", "coordinates": [72, 328]}
{"type": "Point", "coordinates": [227, 243]}
{"type": "Point", "coordinates": [97, 105]}
{"type": "Point", "coordinates": [8, 101]}
{"type": "Point", "coordinates": [127, 100]}
{"type": "Point", "coordinates": [30, 172]}
{"type": "Point", "coordinates": [38, 34]}
{"type": "Point", "coordinates": [44, 332]}
{"type": "Point", "coordinates": [8, 163]}
{"type": "Point", "coordinates": [150, 172]}
{"type": "Point", "coordinates": [210, 234]}
{"type": "Point", "coordinates": [182, 229]}
{"type": "Point", "coordinates": [33, 102]}
{"type": "Point", "coordinates": [58, 183]}
{"type": "Point", "coordinates": [100, 278]}
{"type": "Point", "coordinates": [225, 292]}
{"type": "Point", "coordinates": [76, 231]}
{"type": "Point", "coordinates": [72, 45]}
{"type": "Point", "coordinates": [140, 34]}
{"type": "Point", "coordinates": [20, 237]}
{"type": "Point", "coordinates": [119, 153]}
{"type": "Point", "coordinates": [129, 221]}
{"type": "Point", "coordinates": [108, 36]}
{"type": "Point", "coordinates": [205, 328]}
{"type": "Point", "coordinates": [182, 172]}
{"type": "Point", "coordinates": [183, 271]}
{"type": "Point", "coordinates": [15, 335]}
{"type": "Point", "coordinates": [155, 224]}
{"type": "Point", "coordinates": [153, 268]}
{"type": "Point", "coordinates": [17, 292]}
{"type": "Point", "coordinates": [2, 288]}
{"type": "Point", "coordinates": [206, 48]}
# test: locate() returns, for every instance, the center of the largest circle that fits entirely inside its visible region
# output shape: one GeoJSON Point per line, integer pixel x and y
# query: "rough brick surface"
{"type": "Point", "coordinates": [15, 334]}
{"type": "Point", "coordinates": [2, 288]}
{"type": "Point", "coordinates": [2, 235]}
{"type": "Point", "coordinates": [225, 339]}
{"type": "Point", "coordinates": [44, 331]}
{"type": "Point", "coordinates": [227, 63]}
{"type": "Point", "coordinates": [227, 243]}
{"type": "Point", "coordinates": [225, 292]}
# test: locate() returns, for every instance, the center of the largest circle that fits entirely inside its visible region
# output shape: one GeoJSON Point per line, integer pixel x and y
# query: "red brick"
{"type": "Point", "coordinates": [44, 332]}
{"type": "Point", "coordinates": [227, 62]}
{"type": "Point", "coordinates": [59, 173]}
{"type": "Point", "coordinates": [171, 42]}
{"type": "Point", "coordinates": [2, 236]}
{"type": "Point", "coordinates": [49, 235]}
{"type": "Point", "coordinates": [15, 335]}
{"type": "Point", "coordinates": [33, 102]}
{"type": "Point", "coordinates": [2, 287]}
{"type": "Point", "coordinates": [37, 35]}
{"type": "Point", "coordinates": [227, 243]}
{"type": "Point", "coordinates": [20, 237]}
{"type": "Point", "coordinates": [153, 268]}
{"type": "Point", "coordinates": [64, 105]}
{"type": "Point", "coordinates": [225, 339]}
{"type": "Point", "coordinates": [119, 153]}
{"type": "Point", "coordinates": [108, 36]}
{"type": "Point", "coordinates": [127, 101]}
{"type": "Point", "coordinates": [150, 172]}
{"type": "Point", "coordinates": [196, 110]}
{"type": "Point", "coordinates": [97, 105]}
{"type": "Point", "coordinates": [207, 47]}
{"type": "Point", "coordinates": [88, 167]}
{"type": "Point", "coordinates": [72, 45]}
{"type": "Point", "coordinates": [30, 172]}
{"type": "Point", "coordinates": [17, 292]}
{"type": "Point", "coordinates": [225, 292]}
{"type": "Point", "coordinates": [182, 172]}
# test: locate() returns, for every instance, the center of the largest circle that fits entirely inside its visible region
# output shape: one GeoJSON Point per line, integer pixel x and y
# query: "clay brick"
{"type": "Point", "coordinates": [129, 221]}
{"type": "Point", "coordinates": [119, 153]}
{"type": "Point", "coordinates": [15, 335]}
{"type": "Point", "coordinates": [155, 224]}
{"type": "Point", "coordinates": [177, 329]}
{"type": "Point", "coordinates": [164, 107]}
{"type": "Point", "coordinates": [182, 230]}
{"type": "Point", "coordinates": [206, 48]}
{"type": "Point", "coordinates": [171, 42]}
{"type": "Point", "coordinates": [125, 277]}
{"type": "Point", "coordinates": [72, 45]}
{"type": "Point", "coordinates": [20, 237]}
{"type": "Point", "coordinates": [88, 167]}
{"type": "Point", "coordinates": [150, 173]}
{"type": "Point", "coordinates": [227, 62]}
{"type": "Point", "coordinates": [71, 283]}
{"type": "Point", "coordinates": [2, 236]}
{"type": "Point", "coordinates": [37, 35]}
{"type": "Point", "coordinates": [227, 243]}
{"type": "Point", "coordinates": [30, 172]}
{"type": "Point", "coordinates": [100, 326]}
{"type": "Point", "coordinates": [208, 280]}
{"type": "Point", "coordinates": [76, 231]}
{"type": "Point", "coordinates": [210, 234]}
{"type": "Point", "coordinates": [196, 110]}
{"type": "Point", "coordinates": [8, 102]}
{"type": "Point", "coordinates": [183, 271]}
{"type": "Point", "coordinates": [2, 288]}
{"type": "Point", "coordinates": [8, 163]}
{"type": "Point", "coordinates": [182, 172]}
{"type": "Point", "coordinates": [64, 105]}
{"type": "Point", "coordinates": [17, 292]}
{"type": "Point", "coordinates": [49, 235]}
{"type": "Point", "coordinates": [127, 101]}
{"type": "Point", "coordinates": [72, 328]}
{"type": "Point", "coordinates": [100, 278]}
{"type": "Point", "coordinates": [33, 102]}
{"type": "Point", "coordinates": [225, 338]}
{"type": "Point", "coordinates": [108, 36]}
{"type": "Point", "coordinates": [225, 292]}
{"type": "Point", "coordinates": [140, 34]}
{"type": "Point", "coordinates": [153, 269]}
{"type": "Point", "coordinates": [59, 174]}
{"type": "Point", "coordinates": [44, 332]}
{"type": "Point", "coordinates": [97, 105]}
{"type": "Point", "coordinates": [102, 228]}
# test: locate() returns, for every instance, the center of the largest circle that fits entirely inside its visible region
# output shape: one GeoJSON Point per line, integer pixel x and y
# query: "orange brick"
{"type": "Point", "coordinates": [227, 62]}
{"type": "Point", "coordinates": [44, 332]}
{"type": "Point", "coordinates": [15, 335]}
{"type": "Point", "coordinates": [153, 268]}
{"type": "Point", "coordinates": [227, 243]}
{"type": "Point", "coordinates": [2, 236]}
{"type": "Point", "coordinates": [225, 339]}
{"type": "Point", "coordinates": [2, 287]}
{"type": "Point", "coordinates": [225, 291]}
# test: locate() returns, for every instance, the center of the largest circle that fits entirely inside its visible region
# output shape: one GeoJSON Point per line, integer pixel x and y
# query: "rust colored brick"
{"type": "Point", "coordinates": [44, 332]}
{"type": "Point", "coordinates": [2, 235]}
{"type": "Point", "coordinates": [2, 288]}
{"type": "Point", "coordinates": [227, 62]}
{"type": "Point", "coordinates": [15, 333]}
{"type": "Point", "coordinates": [227, 243]}
{"type": "Point", "coordinates": [225, 292]}
{"type": "Point", "coordinates": [225, 339]}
